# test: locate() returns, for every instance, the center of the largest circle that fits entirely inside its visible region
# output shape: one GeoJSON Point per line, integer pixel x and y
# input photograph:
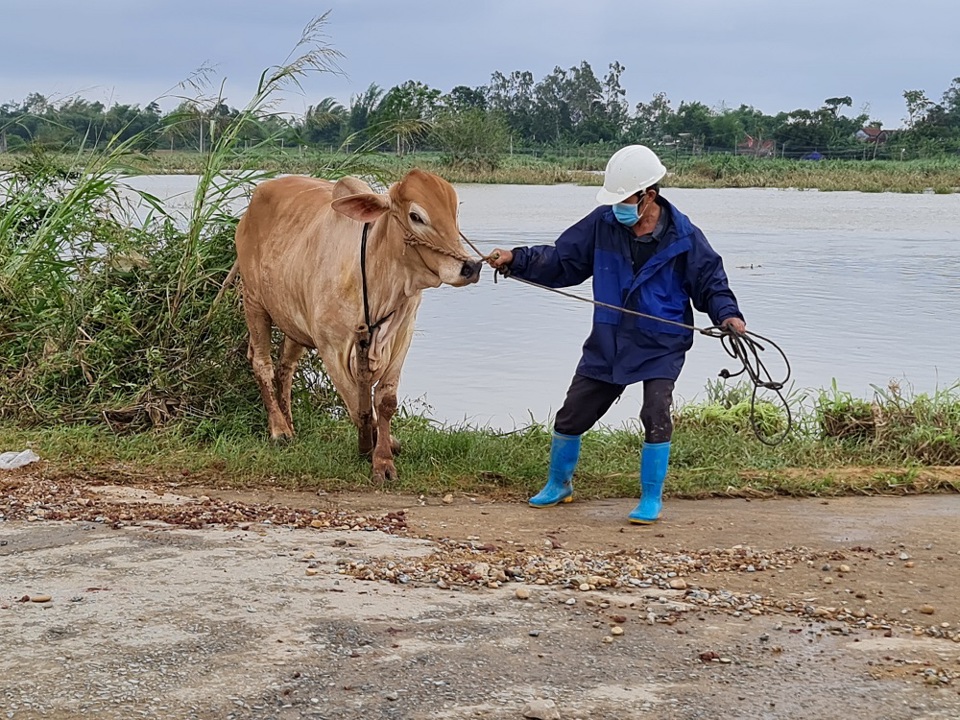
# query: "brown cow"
{"type": "Point", "coordinates": [298, 252]}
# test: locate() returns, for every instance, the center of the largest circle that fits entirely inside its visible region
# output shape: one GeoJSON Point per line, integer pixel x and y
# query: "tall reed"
{"type": "Point", "coordinates": [108, 317]}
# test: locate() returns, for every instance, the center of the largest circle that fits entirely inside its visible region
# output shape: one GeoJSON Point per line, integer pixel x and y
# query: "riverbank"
{"type": "Point", "coordinates": [838, 445]}
{"type": "Point", "coordinates": [939, 175]}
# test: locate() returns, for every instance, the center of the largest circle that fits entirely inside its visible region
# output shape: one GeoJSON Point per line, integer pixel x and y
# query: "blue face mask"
{"type": "Point", "coordinates": [626, 214]}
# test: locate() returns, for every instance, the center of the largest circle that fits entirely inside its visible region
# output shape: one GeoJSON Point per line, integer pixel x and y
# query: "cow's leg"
{"type": "Point", "coordinates": [395, 445]}
{"type": "Point", "coordinates": [385, 400]}
{"type": "Point", "coordinates": [366, 430]}
{"type": "Point", "coordinates": [346, 386]}
{"type": "Point", "coordinates": [343, 375]}
{"type": "Point", "coordinates": [290, 354]}
{"type": "Point", "coordinates": [258, 352]}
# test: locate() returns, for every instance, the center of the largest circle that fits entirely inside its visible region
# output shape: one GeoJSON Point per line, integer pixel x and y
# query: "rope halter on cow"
{"type": "Point", "coordinates": [413, 241]}
{"type": "Point", "coordinates": [364, 333]}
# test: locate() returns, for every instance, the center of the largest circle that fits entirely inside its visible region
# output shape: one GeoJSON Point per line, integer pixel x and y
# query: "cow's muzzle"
{"type": "Point", "coordinates": [471, 270]}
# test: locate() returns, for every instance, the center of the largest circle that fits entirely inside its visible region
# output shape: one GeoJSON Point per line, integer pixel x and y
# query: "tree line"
{"type": "Point", "coordinates": [566, 110]}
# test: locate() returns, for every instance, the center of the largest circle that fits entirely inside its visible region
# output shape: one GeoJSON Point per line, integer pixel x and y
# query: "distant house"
{"type": "Point", "coordinates": [872, 135]}
{"type": "Point", "coordinates": [757, 147]}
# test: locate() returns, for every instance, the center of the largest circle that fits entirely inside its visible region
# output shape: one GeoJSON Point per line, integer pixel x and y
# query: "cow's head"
{"type": "Point", "coordinates": [423, 213]}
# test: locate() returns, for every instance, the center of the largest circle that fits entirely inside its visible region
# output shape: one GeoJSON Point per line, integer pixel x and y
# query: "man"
{"type": "Point", "coordinates": [646, 256]}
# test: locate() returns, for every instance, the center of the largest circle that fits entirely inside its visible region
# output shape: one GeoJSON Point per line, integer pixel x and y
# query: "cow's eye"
{"type": "Point", "coordinates": [416, 218]}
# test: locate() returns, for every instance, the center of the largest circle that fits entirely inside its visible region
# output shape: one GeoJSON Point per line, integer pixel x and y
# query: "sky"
{"type": "Point", "coordinates": [773, 55]}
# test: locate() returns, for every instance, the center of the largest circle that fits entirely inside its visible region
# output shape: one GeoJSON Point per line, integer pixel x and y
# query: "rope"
{"type": "Point", "coordinates": [363, 273]}
{"type": "Point", "coordinates": [745, 348]}
{"type": "Point", "coordinates": [363, 279]}
{"type": "Point", "coordinates": [413, 240]}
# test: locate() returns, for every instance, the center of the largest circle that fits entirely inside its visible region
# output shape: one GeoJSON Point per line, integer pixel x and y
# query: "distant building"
{"type": "Point", "coordinates": [872, 135]}
{"type": "Point", "coordinates": [757, 147]}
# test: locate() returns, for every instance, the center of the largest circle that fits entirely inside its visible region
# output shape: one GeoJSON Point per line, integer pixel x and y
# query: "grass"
{"type": "Point", "coordinates": [914, 176]}
{"type": "Point", "coordinates": [940, 175]}
{"type": "Point", "coordinates": [913, 446]}
{"type": "Point", "coordinates": [116, 361]}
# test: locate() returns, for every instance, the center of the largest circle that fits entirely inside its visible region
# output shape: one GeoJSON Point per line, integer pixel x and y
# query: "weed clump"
{"type": "Point", "coordinates": [106, 316]}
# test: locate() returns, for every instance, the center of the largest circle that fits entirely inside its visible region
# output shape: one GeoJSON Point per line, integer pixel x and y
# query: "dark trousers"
{"type": "Point", "coordinates": [588, 400]}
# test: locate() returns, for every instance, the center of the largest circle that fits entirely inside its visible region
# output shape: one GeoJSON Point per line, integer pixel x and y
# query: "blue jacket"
{"type": "Point", "coordinates": [624, 349]}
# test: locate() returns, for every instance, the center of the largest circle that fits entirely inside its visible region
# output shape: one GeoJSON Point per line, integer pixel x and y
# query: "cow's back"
{"type": "Point", "coordinates": [281, 211]}
{"type": "Point", "coordinates": [290, 255]}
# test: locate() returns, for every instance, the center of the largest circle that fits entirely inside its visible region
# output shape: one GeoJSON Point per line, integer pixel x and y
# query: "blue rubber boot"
{"type": "Point", "coordinates": [564, 453]}
{"type": "Point", "coordinates": [654, 459]}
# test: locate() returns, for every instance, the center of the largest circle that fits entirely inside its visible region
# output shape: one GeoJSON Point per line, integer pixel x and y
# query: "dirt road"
{"type": "Point", "coordinates": [377, 606]}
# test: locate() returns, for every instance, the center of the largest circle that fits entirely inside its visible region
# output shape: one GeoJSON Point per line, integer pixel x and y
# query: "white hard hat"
{"type": "Point", "coordinates": [629, 170]}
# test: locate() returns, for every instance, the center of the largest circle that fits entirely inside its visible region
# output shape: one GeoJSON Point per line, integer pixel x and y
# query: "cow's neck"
{"type": "Point", "coordinates": [395, 271]}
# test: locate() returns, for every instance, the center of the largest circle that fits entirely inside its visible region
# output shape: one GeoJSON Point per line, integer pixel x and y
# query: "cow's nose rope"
{"type": "Point", "coordinates": [483, 257]}
{"type": "Point", "coordinates": [745, 348]}
{"type": "Point", "coordinates": [413, 240]}
{"type": "Point", "coordinates": [410, 239]}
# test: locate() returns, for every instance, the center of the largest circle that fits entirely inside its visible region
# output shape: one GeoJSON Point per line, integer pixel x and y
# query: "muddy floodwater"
{"type": "Point", "coordinates": [863, 288]}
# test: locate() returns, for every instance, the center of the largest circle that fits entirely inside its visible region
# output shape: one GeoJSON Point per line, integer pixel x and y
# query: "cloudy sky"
{"type": "Point", "coordinates": [772, 54]}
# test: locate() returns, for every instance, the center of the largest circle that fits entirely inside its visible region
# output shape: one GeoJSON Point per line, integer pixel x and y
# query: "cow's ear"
{"type": "Point", "coordinates": [348, 185]}
{"type": "Point", "coordinates": [365, 207]}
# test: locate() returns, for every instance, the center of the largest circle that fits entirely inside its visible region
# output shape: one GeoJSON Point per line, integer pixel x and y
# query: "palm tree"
{"type": "Point", "coordinates": [361, 108]}
{"type": "Point", "coordinates": [324, 123]}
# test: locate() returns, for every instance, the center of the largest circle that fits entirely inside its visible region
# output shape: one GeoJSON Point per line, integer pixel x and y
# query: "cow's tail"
{"type": "Point", "coordinates": [228, 281]}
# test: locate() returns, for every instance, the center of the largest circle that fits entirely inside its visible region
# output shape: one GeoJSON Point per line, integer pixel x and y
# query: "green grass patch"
{"type": "Point", "coordinates": [914, 449]}
{"type": "Point", "coordinates": [937, 175]}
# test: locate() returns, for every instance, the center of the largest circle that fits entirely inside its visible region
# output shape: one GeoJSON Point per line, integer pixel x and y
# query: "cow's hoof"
{"type": "Point", "coordinates": [282, 438]}
{"type": "Point", "coordinates": [383, 471]}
